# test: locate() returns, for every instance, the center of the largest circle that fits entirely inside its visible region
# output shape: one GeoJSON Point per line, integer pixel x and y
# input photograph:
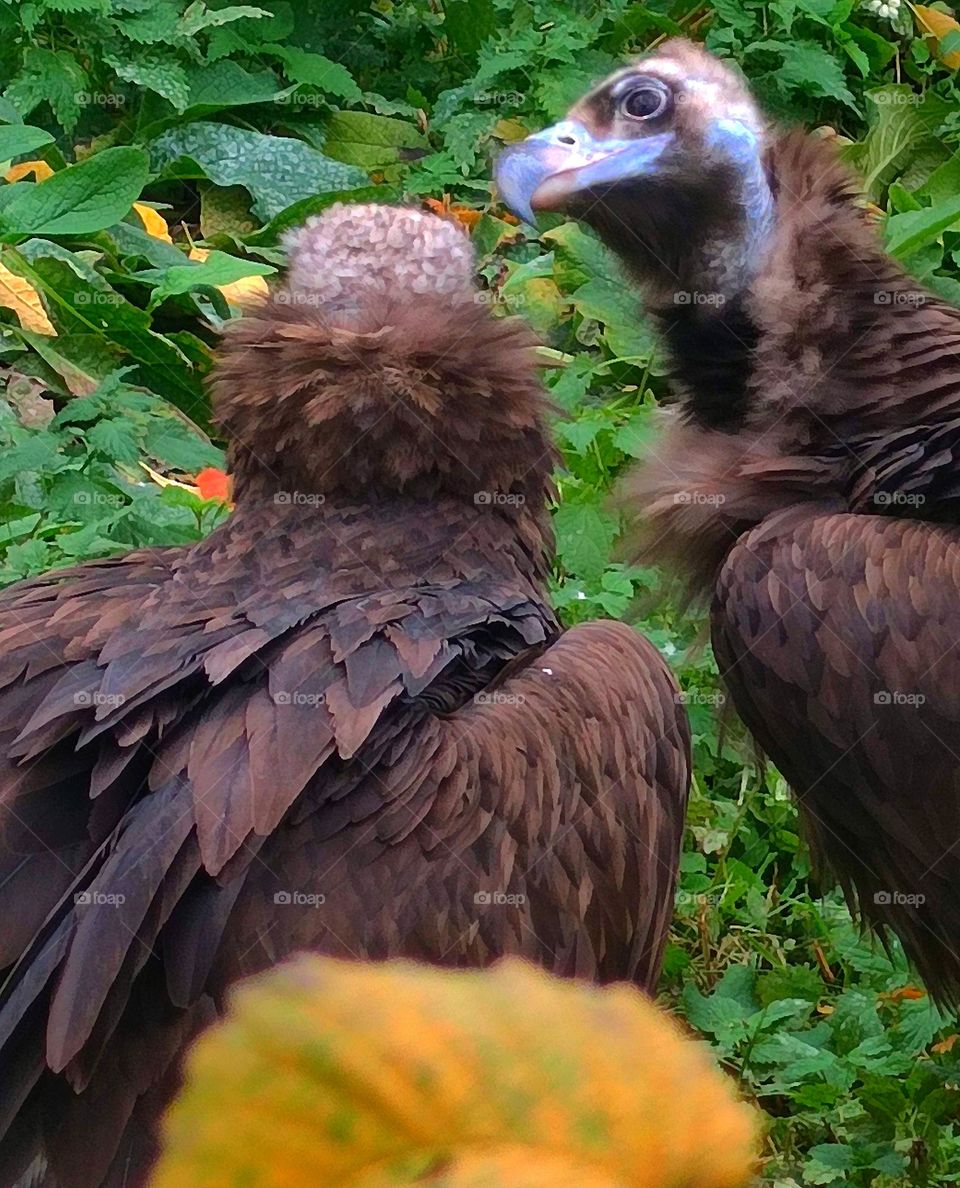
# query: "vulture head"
{"type": "Point", "coordinates": [378, 368]}
{"type": "Point", "coordinates": [665, 159]}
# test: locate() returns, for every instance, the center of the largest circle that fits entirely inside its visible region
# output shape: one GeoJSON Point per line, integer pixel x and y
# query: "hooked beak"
{"type": "Point", "coordinates": [551, 168]}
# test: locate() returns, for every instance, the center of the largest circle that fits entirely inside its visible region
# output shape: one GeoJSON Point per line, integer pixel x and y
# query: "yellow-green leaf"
{"type": "Point", "coordinates": [938, 25]}
{"type": "Point", "coordinates": [365, 1075]}
{"type": "Point", "coordinates": [20, 296]}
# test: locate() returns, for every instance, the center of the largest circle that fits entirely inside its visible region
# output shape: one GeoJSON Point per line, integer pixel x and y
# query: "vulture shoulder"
{"type": "Point", "coordinates": [840, 630]}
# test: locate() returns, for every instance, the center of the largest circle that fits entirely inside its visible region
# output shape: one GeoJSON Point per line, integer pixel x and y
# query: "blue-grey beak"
{"type": "Point", "coordinates": [549, 168]}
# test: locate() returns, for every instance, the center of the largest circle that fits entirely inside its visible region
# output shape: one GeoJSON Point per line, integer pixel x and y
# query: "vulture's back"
{"type": "Point", "coordinates": [348, 721]}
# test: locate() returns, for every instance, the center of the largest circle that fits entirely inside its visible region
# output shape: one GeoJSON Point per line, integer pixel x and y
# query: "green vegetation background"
{"type": "Point", "coordinates": [235, 122]}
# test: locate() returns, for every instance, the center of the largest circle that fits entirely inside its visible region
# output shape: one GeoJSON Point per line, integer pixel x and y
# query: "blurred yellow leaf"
{"type": "Point", "coordinates": [509, 130]}
{"type": "Point", "coordinates": [153, 222]}
{"type": "Point", "coordinates": [938, 25]}
{"type": "Point", "coordinates": [246, 291]}
{"type": "Point", "coordinates": [40, 170]}
{"type": "Point", "coordinates": [364, 1075]}
{"type": "Point", "coordinates": [20, 296]}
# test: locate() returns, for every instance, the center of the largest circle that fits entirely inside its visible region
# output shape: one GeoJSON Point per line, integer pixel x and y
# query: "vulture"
{"type": "Point", "coordinates": [806, 483]}
{"type": "Point", "coordinates": [348, 721]}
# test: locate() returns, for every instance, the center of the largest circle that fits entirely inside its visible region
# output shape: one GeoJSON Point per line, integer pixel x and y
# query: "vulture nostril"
{"type": "Point", "coordinates": [567, 140]}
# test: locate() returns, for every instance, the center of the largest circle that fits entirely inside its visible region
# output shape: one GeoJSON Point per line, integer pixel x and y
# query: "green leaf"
{"type": "Point", "coordinates": [83, 198]}
{"type": "Point", "coordinates": [227, 84]}
{"type": "Point", "coordinates": [530, 290]}
{"type": "Point", "coordinates": [197, 17]}
{"type": "Point", "coordinates": [808, 67]}
{"type": "Point", "coordinates": [89, 314]}
{"type": "Point", "coordinates": [617, 307]}
{"type": "Point", "coordinates": [580, 256]}
{"type": "Point", "coordinates": [276, 170]}
{"type": "Point", "coordinates": [301, 66]}
{"type": "Point", "coordinates": [585, 536]}
{"type": "Point", "coordinates": [173, 443]}
{"type": "Point", "coordinates": [902, 123]}
{"type": "Point", "coordinates": [909, 232]}
{"type": "Point", "coordinates": [369, 141]}
{"type": "Point", "coordinates": [636, 436]}
{"type": "Point", "coordinates": [468, 23]}
{"type": "Point", "coordinates": [17, 139]}
{"type": "Point", "coordinates": [54, 76]}
{"type": "Point", "coordinates": [152, 24]}
{"type": "Point", "coordinates": [115, 439]}
{"type": "Point", "coordinates": [157, 73]}
{"type": "Point", "coordinates": [219, 268]}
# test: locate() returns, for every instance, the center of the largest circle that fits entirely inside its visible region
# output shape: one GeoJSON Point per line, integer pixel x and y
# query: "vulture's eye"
{"type": "Point", "coordinates": [645, 100]}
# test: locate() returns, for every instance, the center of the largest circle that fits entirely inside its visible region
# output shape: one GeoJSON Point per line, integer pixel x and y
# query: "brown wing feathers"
{"type": "Point", "coordinates": [195, 742]}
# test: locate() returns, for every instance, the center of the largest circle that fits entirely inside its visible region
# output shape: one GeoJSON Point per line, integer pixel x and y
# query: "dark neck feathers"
{"type": "Point", "coordinates": [843, 376]}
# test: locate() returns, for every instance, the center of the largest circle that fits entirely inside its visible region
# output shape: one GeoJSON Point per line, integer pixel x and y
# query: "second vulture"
{"type": "Point", "coordinates": [809, 481]}
{"type": "Point", "coordinates": [347, 722]}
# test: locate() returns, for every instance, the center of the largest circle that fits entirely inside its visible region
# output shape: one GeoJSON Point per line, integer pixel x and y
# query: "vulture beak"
{"type": "Point", "coordinates": [552, 168]}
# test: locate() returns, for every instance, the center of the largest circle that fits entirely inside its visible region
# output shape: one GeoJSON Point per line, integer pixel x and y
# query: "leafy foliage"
{"type": "Point", "coordinates": [225, 124]}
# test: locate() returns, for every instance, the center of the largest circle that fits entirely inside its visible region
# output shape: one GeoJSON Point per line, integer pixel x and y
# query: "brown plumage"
{"type": "Point", "coordinates": [807, 480]}
{"type": "Point", "coordinates": [348, 721]}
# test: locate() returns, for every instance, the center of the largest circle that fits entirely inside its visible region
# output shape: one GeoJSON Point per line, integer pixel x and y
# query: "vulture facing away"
{"type": "Point", "coordinates": [348, 721]}
{"type": "Point", "coordinates": [808, 482]}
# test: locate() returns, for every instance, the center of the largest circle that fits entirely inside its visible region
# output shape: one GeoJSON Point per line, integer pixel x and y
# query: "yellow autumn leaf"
{"type": "Point", "coordinates": [20, 296]}
{"type": "Point", "coordinates": [246, 291]}
{"type": "Point", "coordinates": [40, 170]}
{"type": "Point", "coordinates": [365, 1074]}
{"type": "Point", "coordinates": [509, 130]}
{"type": "Point", "coordinates": [153, 222]}
{"type": "Point", "coordinates": [937, 25]}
